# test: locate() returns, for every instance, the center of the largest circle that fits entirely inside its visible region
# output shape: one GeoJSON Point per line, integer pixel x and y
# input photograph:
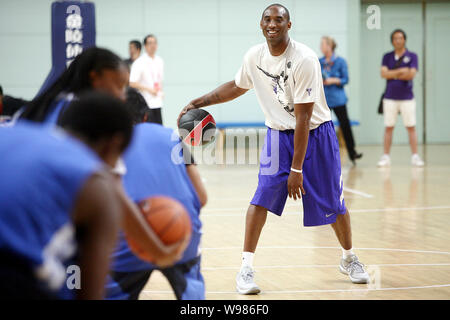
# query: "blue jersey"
{"type": "Point", "coordinates": [155, 166]}
{"type": "Point", "coordinates": [42, 170]}
{"type": "Point", "coordinates": [57, 107]}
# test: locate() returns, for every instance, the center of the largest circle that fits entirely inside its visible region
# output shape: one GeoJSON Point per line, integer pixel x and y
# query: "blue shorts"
{"type": "Point", "coordinates": [322, 178]}
{"type": "Point", "coordinates": [185, 279]}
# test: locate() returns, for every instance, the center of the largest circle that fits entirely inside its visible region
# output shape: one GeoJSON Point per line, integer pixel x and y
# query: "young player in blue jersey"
{"type": "Point", "coordinates": [157, 165]}
{"type": "Point", "coordinates": [94, 69]}
{"type": "Point", "coordinates": [103, 71]}
{"type": "Point", "coordinates": [51, 184]}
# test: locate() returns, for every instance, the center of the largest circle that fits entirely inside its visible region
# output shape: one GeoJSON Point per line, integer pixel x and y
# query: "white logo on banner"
{"type": "Point", "coordinates": [74, 34]}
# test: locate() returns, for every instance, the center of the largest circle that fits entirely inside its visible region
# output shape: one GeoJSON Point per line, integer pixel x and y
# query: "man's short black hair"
{"type": "Point", "coordinates": [1, 91]}
{"type": "Point", "coordinates": [148, 36]}
{"type": "Point", "coordinates": [136, 105]}
{"type": "Point", "coordinates": [395, 31]}
{"type": "Point", "coordinates": [137, 44]}
{"type": "Point", "coordinates": [96, 116]}
{"type": "Point", "coordinates": [281, 6]}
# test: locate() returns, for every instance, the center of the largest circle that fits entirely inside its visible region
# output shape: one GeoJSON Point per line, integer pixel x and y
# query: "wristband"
{"type": "Point", "coordinates": [296, 170]}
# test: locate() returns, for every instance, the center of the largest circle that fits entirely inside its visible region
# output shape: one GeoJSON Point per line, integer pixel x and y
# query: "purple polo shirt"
{"type": "Point", "coordinates": [400, 89]}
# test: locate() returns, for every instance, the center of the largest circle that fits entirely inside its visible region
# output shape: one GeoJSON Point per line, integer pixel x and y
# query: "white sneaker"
{"type": "Point", "coordinates": [354, 269]}
{"type": "Point", "coordinates": [385, 161]}
{"type": "Point", "coordinates": [416, 161]}
{"type": "Point", "coordinates": [245, 283]}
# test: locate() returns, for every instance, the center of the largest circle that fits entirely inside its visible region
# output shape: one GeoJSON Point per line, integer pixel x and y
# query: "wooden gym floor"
{"type": "Point", "coordinates": [401, 232]}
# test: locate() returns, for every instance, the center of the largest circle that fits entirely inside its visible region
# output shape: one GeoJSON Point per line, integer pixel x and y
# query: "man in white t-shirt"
{"type": "Point", "coordinates": [300, 157]}
{"type": "Point", "coordinates": [146, 75]}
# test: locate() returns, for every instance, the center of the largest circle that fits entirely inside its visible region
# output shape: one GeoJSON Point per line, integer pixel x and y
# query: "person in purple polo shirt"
{"type": "Point", "coordinates": [399, 68]}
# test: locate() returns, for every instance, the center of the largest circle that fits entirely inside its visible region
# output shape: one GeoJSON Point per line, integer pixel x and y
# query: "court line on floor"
{"type": "Point", "coordinates": [401, 209]}
{"type": "Point", "coordinates": [305, 247]}
{"type": "Point", "coordinates": [315, 291]}
{"type": "Point", "coordinates": [299, 266]}
{"type": "Point", "coordinates": [359, 193]}
{"type": "Point", "coordinates": [242, 210]}
{"type": "Point", "coordinates": [334, 266]}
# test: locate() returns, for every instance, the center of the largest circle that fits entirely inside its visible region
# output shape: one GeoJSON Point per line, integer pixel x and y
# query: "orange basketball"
{"type": "Point", "coordinates": [169, 220]}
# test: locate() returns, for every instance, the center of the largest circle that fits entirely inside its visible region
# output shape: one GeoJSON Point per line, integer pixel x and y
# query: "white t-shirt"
{"type": "Point", "coordinates": [282, 81]}
{"type": "Point", "coordinates": [148, 71]}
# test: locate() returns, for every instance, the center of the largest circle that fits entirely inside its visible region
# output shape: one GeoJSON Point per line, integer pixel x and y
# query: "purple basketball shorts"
{"type": "Point", "coordinates": [322, 178]}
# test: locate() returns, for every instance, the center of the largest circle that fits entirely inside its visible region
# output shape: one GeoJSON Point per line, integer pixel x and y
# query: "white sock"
{"type": "Point", "coordinates": [346, 253]}
{"type": "Point", "coordinates": [247, 259]}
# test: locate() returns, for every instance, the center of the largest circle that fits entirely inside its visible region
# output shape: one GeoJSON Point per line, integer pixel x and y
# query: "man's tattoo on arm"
{"type": "Point", "coordinates": [211, 98]}
{"type": "Point", "coordinates": [216, 97]}
{"type": "Point", "coordinates": [206, 101]}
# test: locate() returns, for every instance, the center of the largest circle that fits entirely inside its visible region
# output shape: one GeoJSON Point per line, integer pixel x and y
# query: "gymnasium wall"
{"type": "Point", "coordinates": [376, 42]}
{"type": "Point", "coordinates": [430, 83]}
{"type": "Point", "coordinates": [201, 41]}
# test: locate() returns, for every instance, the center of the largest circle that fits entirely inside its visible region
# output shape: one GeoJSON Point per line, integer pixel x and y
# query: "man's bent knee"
{"type": "Point", "coordinates": [257, 209]}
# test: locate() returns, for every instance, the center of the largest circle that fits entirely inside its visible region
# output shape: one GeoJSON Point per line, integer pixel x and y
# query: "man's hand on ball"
{"type": "Point", "coordinates": [190, 106]}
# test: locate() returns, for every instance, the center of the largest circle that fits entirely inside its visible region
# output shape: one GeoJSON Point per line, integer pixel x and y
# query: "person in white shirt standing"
{"type": "Point", "coordinates": [147, 75]}
{"type": "Point", "coordinates": [300, 157]}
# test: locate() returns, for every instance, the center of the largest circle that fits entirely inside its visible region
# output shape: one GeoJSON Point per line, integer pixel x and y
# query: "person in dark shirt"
{"type": "Point", "coordinates": [135, 51]}
{"type": "Point", "coordinates": [399, 67]}
{"type": "Point", "coordinates": [9, 105]}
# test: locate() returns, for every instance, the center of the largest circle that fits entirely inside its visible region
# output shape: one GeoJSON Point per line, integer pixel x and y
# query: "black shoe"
{"type": "Point", "coordinates": [355, 156]}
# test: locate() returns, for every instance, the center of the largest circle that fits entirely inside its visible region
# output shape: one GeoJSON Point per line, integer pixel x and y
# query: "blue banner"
{"type": "Point", "coordinates": [73, 30]}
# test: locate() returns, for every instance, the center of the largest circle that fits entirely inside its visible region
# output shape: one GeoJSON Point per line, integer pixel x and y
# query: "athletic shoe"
{"type": "Point", "coordinates": [416, 161]}
{"type": "Point", "coordinates": [385, 161]}
{"type": "Point", "coordinates": [354, 269]}
{"type": "Point", "coordinates": [245, 283]}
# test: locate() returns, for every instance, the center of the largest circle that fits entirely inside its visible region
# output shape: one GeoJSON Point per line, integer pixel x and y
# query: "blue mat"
{"type": "Point", "coordinates": [224, 125]}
